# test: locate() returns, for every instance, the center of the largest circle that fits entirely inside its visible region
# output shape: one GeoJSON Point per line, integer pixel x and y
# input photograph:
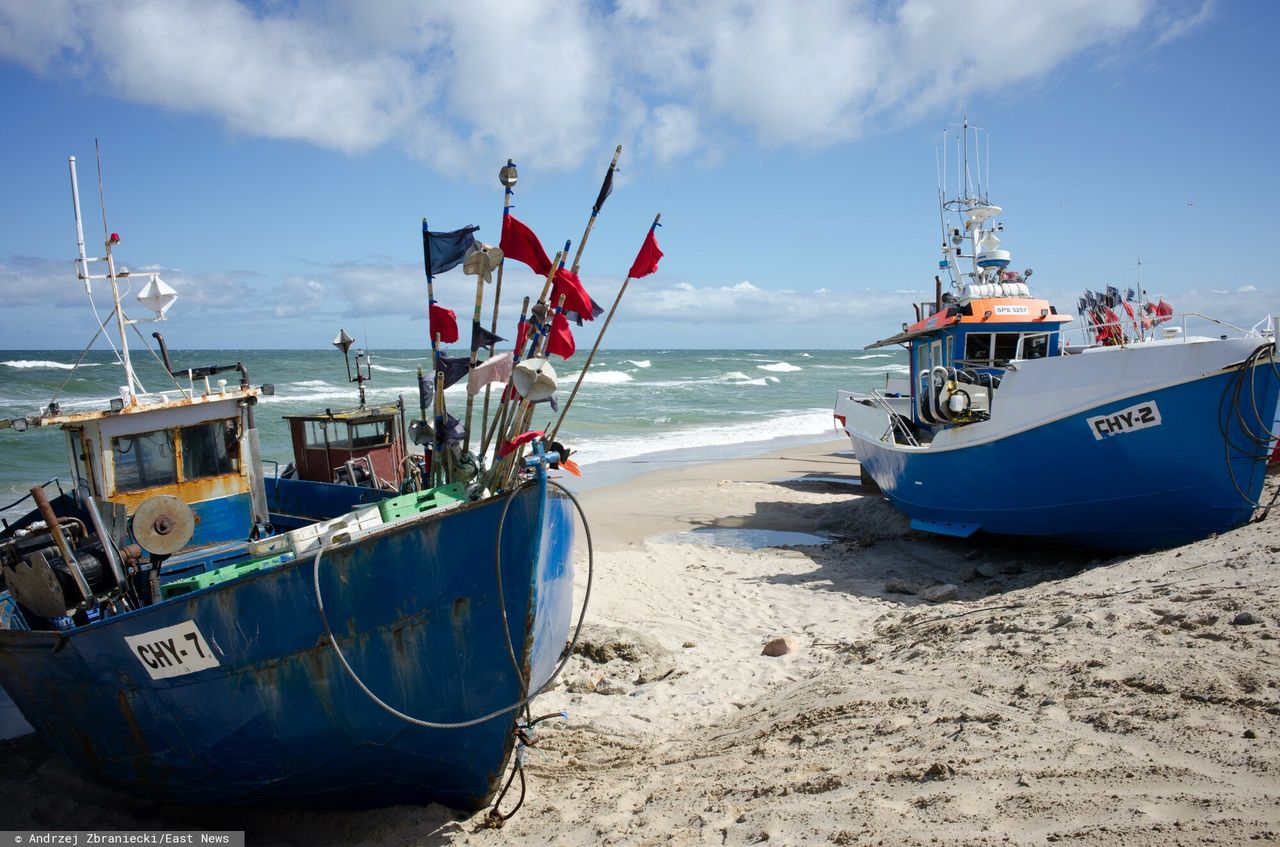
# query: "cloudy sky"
{"type": "Point", "coordinates": [274, 160]}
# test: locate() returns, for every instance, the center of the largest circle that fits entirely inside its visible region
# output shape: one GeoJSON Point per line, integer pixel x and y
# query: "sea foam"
{"type": "Point", "coordinates": [26, 364]}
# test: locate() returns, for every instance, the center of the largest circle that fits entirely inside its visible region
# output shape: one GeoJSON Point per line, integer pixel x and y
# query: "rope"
{"type": "Point", "coordinates": [524, 700]}
{"type": "Point", "coordinates": [1232, 410]}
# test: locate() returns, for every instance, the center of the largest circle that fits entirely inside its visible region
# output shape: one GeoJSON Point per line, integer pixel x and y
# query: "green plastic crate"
{"type": "Point", "coordinates": [194, 583]}
{"type": "Point", "coordinates": [407, 505]}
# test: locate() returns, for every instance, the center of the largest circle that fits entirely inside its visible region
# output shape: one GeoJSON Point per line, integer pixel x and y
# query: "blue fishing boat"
{"type": "Point", "coordinates": [1140, 429]}
{"type": "Point", "coordinates": [178, 625]}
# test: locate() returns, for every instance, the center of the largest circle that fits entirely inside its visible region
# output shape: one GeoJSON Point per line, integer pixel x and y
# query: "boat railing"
{"type": "Point", "coordinates": [895, 424]}
{"type": "Point", "coordinates": [1139, 330]}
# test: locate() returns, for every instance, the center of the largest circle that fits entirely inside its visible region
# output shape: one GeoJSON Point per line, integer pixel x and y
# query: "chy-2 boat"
{"type": "Point", "coordinates": [1132, 435]}
{"type": "Point", "coordinates": [181, 627]}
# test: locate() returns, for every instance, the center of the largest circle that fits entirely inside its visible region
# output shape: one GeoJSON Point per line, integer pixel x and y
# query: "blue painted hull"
{"type": "Point", "coordinates": [1155, 487]}
{"type": "Point", "coordinates": [414, 606]}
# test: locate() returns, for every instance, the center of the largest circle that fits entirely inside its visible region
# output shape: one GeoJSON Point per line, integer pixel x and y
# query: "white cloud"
{"type": "Point", "coordinates": [459, 84]}
{"type": "Point", "coordinates": [1180, 26]}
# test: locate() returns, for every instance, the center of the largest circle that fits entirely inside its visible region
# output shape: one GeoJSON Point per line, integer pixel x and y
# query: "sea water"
{"type": "Point", "coordinates": [634, 405]}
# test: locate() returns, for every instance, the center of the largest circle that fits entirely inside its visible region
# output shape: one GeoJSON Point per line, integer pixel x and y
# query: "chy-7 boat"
{"type": "Point", "coordinates": [1136, 434]}
{"type": "Point", "coordinates": [178, 626]}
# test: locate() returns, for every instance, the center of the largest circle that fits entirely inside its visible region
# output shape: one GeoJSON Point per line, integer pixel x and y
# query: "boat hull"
{"type": "Point", "coordinates": [276, 720]}
{"type": "Point", "coordinates": [1157, 485]}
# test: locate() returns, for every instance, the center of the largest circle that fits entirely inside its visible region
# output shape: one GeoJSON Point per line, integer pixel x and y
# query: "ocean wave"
{"type": "Point", "coordinates": [603, 378]}
{"type": "Point", "coordinates": [779, 367]}
{"type": "Point", "coordinates": [391, 370]}
{"type": "Point", "coordinates": [29, 364]}
{"type": "Point", "coordinates": [877, 356]}
{"type": "Point", "coordinates": [643, 363]}
{"type": "Point", "coordinates": [809, 422]}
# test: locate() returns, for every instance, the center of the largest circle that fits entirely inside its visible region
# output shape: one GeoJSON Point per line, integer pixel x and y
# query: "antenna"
{"type": "Point", "coordinates": [110, 239]}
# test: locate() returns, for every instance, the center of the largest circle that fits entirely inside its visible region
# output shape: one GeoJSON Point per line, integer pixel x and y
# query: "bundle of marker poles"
{"type": "Point", "coordinates": [505, 468]}
{"type": "Point", "coordinates": [513, 413]}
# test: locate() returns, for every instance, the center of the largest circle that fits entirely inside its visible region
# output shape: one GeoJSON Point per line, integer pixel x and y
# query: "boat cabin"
{"type": "Point", "coordinates": [971, 341]}
{"type": "Point", "coordinates": [358, 446]}
{"type": "Point", "coordinates": [192, 447]}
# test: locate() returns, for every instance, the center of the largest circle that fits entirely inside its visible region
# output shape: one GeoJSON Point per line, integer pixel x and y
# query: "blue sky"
{"type": "Point", "coordinates": [274, 160]}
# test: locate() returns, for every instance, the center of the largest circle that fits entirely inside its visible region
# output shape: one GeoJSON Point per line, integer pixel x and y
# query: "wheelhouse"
{"type": "Point", "coordinates": [359, 446]}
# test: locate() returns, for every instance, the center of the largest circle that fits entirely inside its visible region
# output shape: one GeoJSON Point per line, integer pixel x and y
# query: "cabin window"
{"type": "Point", "coordinates": [317, 434]}
{"type": "Point", "coordinates": [1006, 347]}
{"type": "Point", "coordinates": [370, 434]}
{"type": "Point", "coordinates": [997, 349]}
{"type": "Point", "coordinates": [1035, 346]}
{"type": "Point", "coordinates": [144, 461]}
{"type": "Point", "coordinates": [208, 449]}
{"type": "Point", "coordinates": [977, 348]}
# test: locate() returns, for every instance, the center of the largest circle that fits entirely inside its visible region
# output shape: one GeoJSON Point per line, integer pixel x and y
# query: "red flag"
{"type": "Point", "coordinates": [647, 259]}
{"type": "Point", "coordinates": [560, 341]}
{"type": "Point", "coordinates": [1163, 311]}
{"type": "Point", "coordinates": [522, 335]}
{"type": "Point", "coordinates": [519, 441]}
{"type": "Point", "coordinates": [519, 243]}
{"type": "Point", "coordinates": [445, 322]}
{"type": "Point", "coordinates": [576, 298]}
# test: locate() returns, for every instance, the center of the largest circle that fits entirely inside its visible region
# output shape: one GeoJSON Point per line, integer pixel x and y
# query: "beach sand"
{"type": "Point", "coordinates": [1046, 696]}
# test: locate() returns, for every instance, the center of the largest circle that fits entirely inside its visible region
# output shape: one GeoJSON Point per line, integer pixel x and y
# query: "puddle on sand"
{"type": "Point", "coordinates": [739, 538]}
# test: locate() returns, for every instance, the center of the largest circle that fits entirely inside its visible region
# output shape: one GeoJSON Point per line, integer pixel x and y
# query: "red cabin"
{"type": "Point", "coordinates": [356, 446]}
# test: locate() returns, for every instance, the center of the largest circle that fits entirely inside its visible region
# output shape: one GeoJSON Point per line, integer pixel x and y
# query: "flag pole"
{"type": "Point", "coordinates": [582, 374]}
{"type": "Point", "coordinates": [542, 307]}
{"type": "Point", "coordinates": [539, 330]}
{"type": "Point", "coordinates": [471, 363]}
{"type": "Point", "coordinates": [438, 469]}
{"type": "Point", "coordinates": [499, 413]}
{"type": "Point", "coordinates": [438, 461]}
{"type": "Point", "coordinates": [508, 177]}
{"type": "Point", "coordinates": [605, 190]}
{"type": "Point", "coordinates": [520, 420]}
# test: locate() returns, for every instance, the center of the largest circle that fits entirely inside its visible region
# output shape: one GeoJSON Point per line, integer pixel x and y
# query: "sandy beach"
{"type": "Point", "coordinates": [936, 691]}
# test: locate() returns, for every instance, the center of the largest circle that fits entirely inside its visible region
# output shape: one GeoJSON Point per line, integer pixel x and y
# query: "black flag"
{"type": "Point", "coordinates": [453, 369]}
{"type": "Point", "coordinates": [443, 251]}
{"type": "Point", "coordinates": [481, 337]}
{"type": "Point", "coordinates": [605, 190]}
{"type": "Point", "coordinates": [596, 311]}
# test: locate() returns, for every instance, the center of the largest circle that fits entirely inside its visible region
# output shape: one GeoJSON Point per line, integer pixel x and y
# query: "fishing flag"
{"type": "Point", "coordinates": [596, 311]}
{"type": "Point", "coordinates": [444, 322]}
{"type": "Point", "coordinates": [519, 441]}
{"type": "Point", "coordinates": [519, 243]}
{"type": "Point", "coordinates": [426, 389]}
{"type": "Point", "coordinates": [1164, 311]}
{"type": "Point", "coordinates": [522, 334]}
{"type": "Point", "coordinates": [453, 430]}
{"type": "Point", "coordinates": [560, 341]}
{"type": "Point", "coordinates": [495, 369]}
{"type": "Point", "coordinates": [605, 190]}
{"type": "Point", "coordinates": [575, 296]}
{"type": "Point", "coordinates": [1130, 295]}
{"type": "Point", "coordinates": [481, 337]}
{"type": "Point", "coordinates": [443, 251]}
{"type": "Point", "coordinates": [452, 369]}
{"type": "Point", "coordinates": [647, 259]}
